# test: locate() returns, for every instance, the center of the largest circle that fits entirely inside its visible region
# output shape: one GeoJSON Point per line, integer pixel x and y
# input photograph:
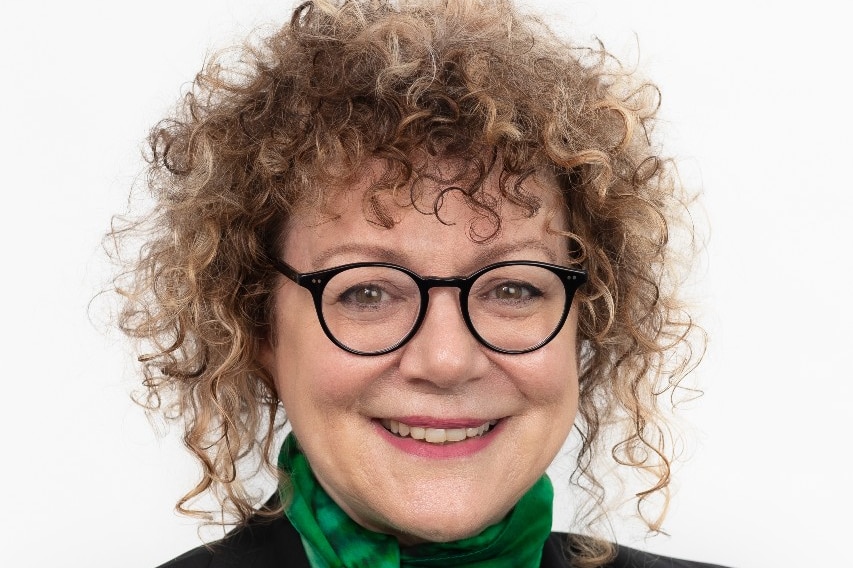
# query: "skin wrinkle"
{"type": "Point", "coordinates": [336, 255]}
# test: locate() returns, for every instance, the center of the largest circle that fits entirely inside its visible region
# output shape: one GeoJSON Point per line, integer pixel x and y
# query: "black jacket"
{"type": "Point", "coordinates": [276, 544]}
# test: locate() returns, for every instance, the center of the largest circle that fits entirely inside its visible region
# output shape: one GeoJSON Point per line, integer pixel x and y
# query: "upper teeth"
{"type": "Point", "coordinates": [436, 435]}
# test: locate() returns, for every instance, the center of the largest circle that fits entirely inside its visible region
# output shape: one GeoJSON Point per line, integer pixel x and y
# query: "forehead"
{"type": "Point", "coordinates": [429, 222]}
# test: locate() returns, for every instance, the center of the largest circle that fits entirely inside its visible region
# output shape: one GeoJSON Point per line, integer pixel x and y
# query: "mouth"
{"type": "Point", "coordinates": [436, 435]}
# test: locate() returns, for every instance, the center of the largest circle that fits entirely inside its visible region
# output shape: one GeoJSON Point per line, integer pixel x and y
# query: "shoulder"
{"type": "Point", "coordinates": [275, 543]}
{"type": "Point", "coordinates": [259, 544]}
{"type": "Point", "coordinates": [633, 558]}
{"type": "Point", "coordinates": [554, 556]}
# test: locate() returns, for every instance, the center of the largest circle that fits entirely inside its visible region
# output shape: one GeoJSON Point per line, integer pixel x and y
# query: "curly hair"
{"type": "Point", "coordinates": [267, 128]}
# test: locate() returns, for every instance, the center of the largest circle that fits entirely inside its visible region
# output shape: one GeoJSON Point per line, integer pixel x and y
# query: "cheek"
{"type": "Point", "coordinates": [296, 357]}
{"type": "Point", "coordinates": [550, 374]}
{"type": "Point", "coordinates": [550, 384]}
{"type": "Point", "coordinates": [316, 380]}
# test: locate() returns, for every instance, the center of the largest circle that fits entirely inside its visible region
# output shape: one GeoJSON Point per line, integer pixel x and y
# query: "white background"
{"type": "Point", "coordinates": [756, 101]}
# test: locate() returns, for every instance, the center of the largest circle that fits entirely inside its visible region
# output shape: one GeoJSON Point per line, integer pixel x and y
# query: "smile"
{"type": "Point", "coordinates": [436, 435]}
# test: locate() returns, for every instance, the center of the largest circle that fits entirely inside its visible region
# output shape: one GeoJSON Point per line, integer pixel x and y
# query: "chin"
{"type": "Point", "coordinates": [443, 528]}
{"type": "Point", "coordinates": [441, 534]}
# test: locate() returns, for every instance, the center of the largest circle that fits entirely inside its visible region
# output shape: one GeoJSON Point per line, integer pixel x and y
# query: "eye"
{"type": "Point", "coordinates": [514, 291]}
{"type": "Point", "coordinates": [364, 296]}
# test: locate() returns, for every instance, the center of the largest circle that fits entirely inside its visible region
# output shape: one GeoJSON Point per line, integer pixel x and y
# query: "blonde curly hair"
{"type": "Point", "coordinates": [261, 136]}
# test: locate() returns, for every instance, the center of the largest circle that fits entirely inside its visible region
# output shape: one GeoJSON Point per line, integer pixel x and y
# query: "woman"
{"type": "Point", "coordinates": [433, 238]}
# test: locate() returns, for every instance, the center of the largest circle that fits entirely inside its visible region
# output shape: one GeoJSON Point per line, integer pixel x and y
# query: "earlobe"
{"type": "Point", "coordinates": [266, 356]}
{"type": "Point", "coordinates": [266, 362]}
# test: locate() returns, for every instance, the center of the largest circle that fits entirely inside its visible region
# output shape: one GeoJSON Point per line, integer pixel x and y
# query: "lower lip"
{"type": "Point", "coordinates": [420, 448]}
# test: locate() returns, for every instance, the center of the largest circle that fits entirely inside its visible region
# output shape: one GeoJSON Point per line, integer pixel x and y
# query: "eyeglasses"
{"type": "Point", "coordinates": [372, 308]}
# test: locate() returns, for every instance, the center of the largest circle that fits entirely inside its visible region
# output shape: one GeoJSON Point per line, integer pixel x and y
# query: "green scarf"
{"type": "Point", "coordinates": [333, 540]}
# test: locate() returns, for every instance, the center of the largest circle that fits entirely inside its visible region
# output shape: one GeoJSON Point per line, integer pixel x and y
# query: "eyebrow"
{"type": "Point", "coordinates": [392, 256]}
{"type": "Point", "coordinates": [373, 252]}
{"type": "Point", "coordinates": [496, 253]}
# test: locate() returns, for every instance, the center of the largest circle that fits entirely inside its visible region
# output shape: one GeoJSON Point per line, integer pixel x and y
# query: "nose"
{"type": "Point", "coordinates": [443, 353]}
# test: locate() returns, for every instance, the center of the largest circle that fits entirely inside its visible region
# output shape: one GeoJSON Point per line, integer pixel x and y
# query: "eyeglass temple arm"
{"type": "Point", "coordinates": [284, 268]}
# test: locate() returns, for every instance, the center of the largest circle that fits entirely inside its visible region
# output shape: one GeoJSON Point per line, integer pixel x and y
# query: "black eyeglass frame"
{"type": "Point", "coordinates": [315, 282]}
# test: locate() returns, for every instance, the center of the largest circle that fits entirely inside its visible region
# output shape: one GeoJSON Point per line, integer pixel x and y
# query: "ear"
{"type": "Point", "coordinates": [266, 354]}
{"type": "Point", "coordinates": [266, 357]}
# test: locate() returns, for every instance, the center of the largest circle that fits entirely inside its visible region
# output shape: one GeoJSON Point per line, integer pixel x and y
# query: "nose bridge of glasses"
{"type": "Point", "coordinates": [462, 284]}
{"type": "Point", "coordinates": [446, 304]}
{"type": "Point", "coordinates": [459, 302]}
{"type": "Point", "coordinates": [429, 282]}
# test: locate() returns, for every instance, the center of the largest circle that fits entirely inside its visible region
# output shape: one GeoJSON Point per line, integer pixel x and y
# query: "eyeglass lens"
{"type": "Point", "coordinates": [372, 308]}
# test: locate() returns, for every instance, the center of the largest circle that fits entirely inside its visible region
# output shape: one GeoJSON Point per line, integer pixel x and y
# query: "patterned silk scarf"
{"type": "Point", "coordinates": [333, 540]}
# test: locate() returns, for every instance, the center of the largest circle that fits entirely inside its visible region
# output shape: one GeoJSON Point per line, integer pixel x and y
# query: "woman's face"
{"type": "Point", "coordinates": [340, 405]}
